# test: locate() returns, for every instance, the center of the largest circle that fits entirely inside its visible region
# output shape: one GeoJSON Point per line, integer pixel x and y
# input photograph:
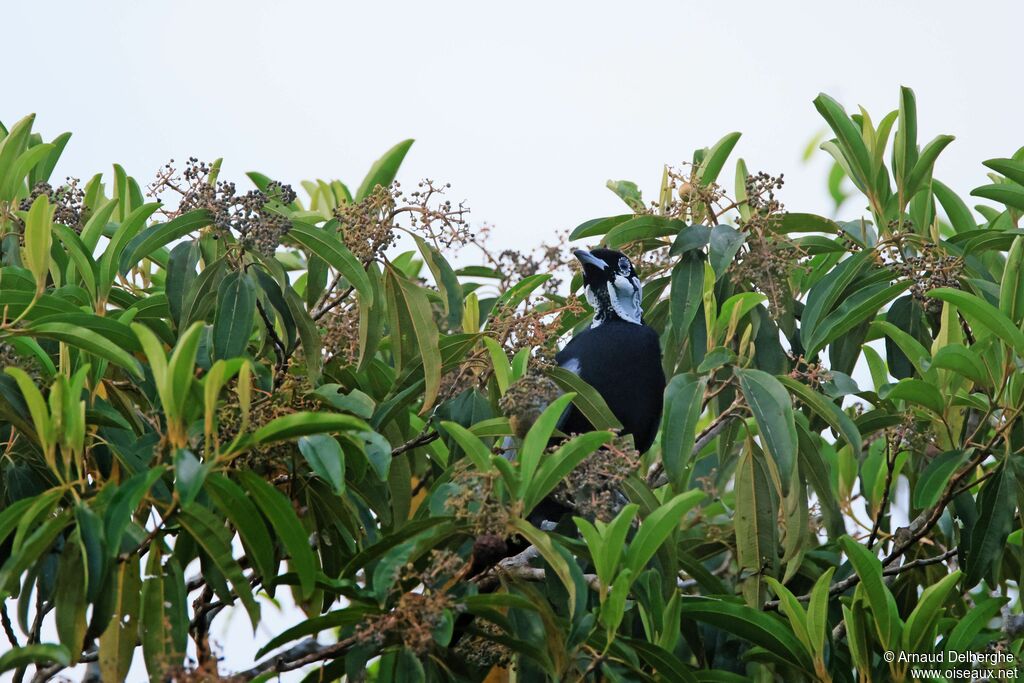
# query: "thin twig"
{"type": "Point", "coordinates": [5, 618]}
{"type": "Point", "coordinates": [890, 463]}
{"type": "Point", "coordinates": [420, 440]}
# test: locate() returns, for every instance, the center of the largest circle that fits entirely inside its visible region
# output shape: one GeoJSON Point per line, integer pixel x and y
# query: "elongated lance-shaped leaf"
{"type": "Point", "coordinates": [282, 517]}
{"type": "Point", "coordinates": [160, 235]}
{"type": "Point", "coordinates": [38, 239]}
{"type": "Point", "coordinates": [328, 246]}
{"type": "Point", "coordinates": [236, 309]}
{"type": "Point", "coordinates": [773, 412]}
{"type": "Point", "coordinates": [384, 170]}
{"type": "Point", "coordinates": [536, 441]}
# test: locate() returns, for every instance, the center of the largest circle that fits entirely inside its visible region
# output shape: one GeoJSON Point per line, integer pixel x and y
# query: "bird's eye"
{"type": "Point", "coordinates": [624, 265]}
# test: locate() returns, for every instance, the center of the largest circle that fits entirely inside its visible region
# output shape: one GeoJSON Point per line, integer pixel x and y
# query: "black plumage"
{"type": "Point", "coordinates": [618, 355]}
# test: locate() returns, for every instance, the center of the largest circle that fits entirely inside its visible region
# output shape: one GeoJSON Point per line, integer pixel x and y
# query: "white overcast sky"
{"type": "Point", "coordinates": [527, 108]}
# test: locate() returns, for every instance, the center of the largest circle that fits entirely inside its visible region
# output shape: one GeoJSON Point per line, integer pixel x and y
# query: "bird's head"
{"type": "Point", "coordinates": [611, 285]}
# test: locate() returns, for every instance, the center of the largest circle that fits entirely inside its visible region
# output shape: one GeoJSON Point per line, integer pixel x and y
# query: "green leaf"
{"type": "Point", "coordinates": [959, 215]}
{"type": "Point", "coordinates": [475, 449]}
{"type": "Point", "coordinates": [919, 631]}
{"type": "Point", "coordinates": [155, 628]}
{"type": "Point", "coordinates": [755, 522]}
{"type": "Point", "coordinates": [823, 296]}
{"type": "Point", "coordinates": [31, 550]}
{"type": "Point", "coordinates": [598, 226]}
{"type": "Point", "coordinates": [355, 401]}
{"type": "Point", "coordinates": [384, 170]}
{"type": "Point", "coordinates": [231, 500]}
{"type": "Point", "coordinates": [724, 242]}
{"type": "Point", "coordinates": [817, 612]}
{"type": "Point", "coordinates": [995, 521]}
{"type": "Point", "coordinates": [642, 228]}
{"type": "Point", "coordinates": [968, 626]}
{"type": "Point", "coordinates": [416, 309]}
{"type": "Point", "coordinates": [34, 654]}
{"type": "Point", "coordinates": [880, 600]}
{"type": "Point", "coordinates": [962, 360]}
{"type": "Point", "coordinates": [850, 141]}
{"type": "Point", "coordinates": [980, 312]}
{"type": "Point", "coordinates": [1011, 287]}
{"type": "Point", "coordinates": [87, 340]}
{"type": "Point", "coordinates": [446, 281]}
{"type": "Point", "coordinates": [157, 236]}
{"type": "Point", "coordinates": [794, 611]}
{"type": "Point", "coordinates": [657, 528]}
{"type": "Point", "coordinates": [299, 424]}
{"type": "Point", "coordinates": [925, 163]}
{"type": "Point", "coordinates": [38, 239]}
{"type": "Point", "coordinates": [330, 248]}
{"type": "Point", "coordinates": [905, 144]}
{"type": "Point", "coordinates": [12, 146]}
{"type": "Point", "coordinates": [916, 391]}
{"type": "Point", "coordinates": [1011, 168]}
{"type": "Point", "coordinates": [70, 600]}
{"type": "Point", "coordinates": [109, 261]}
{"type": "Point", "coordinates": [325, 458]}
{"type": "Point", "coordinates": [773, 411]}
{"type": "Point", "coordinates": [853, 311]}
{"type": "Point", "coordinates": [1010, 194]}
{"type": "Point", "coordinates": [210, 534]}
{"type": "Point", "coordinates": [236, 307]}
{"type": "Point", "coordinates": [278, 510]}
{"type": "Point", "coordinates": [79, 254]}
{"type": "Point", "coordinates": [683, 397]}
{"type": "Point", "coordinates": [37, 409]}
{"type": "Point", "coordinates": [715, 158]}
{"type": "Point", "coordinates": [826, 410]}
{"type": "Point", "coordinates": [687, 292]}
{"type": "Point", "coordinates": [536, 441]}
{"type": "Point", "coordinates": [542, 541]}
{"type": "Point", "coordinates": [751, 624]}
{"type": "Point", "coordinates": [117, 642]}
{"type": "Point", "coordinates": [587, 399]}
{"type": "Point", "coordinates": [348, 616]}
{"type": "Point", "coordinates": [935, 476]}
{"type": "Point", "coordinates": [559, 464]}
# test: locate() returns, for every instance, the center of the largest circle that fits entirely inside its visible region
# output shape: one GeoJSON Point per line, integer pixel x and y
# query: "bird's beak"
{"type": "Point", "coordinates": [588, 259]}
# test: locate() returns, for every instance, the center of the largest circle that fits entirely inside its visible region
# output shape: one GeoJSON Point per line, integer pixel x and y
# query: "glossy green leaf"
{"type": "Point", "coordinates": [773, 411]}
{"type": "Point", "coordinates": [325, 458]}
{"type": "Point", "coordinates": [236, 308]}
{"type": "Point", "coordinates": [295, 538]}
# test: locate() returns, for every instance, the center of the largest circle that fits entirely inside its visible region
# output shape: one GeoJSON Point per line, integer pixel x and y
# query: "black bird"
{"type": "Point", "coordinates": [618, 355]}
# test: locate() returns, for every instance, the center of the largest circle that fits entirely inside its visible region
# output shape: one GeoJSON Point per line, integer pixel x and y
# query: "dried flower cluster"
{"type": "Point", "coordinates": [687, 197]}
{"type": "Point", "coordinates": [926, 268]}
{"type": "Point", "coordinates": [526, 399]}
{"type": "Point", "coordinates": [480, 651]}
{"type": "Point", "coordinates": [367, 227]}
{"type": "Point", "coordinates": [593, 487]}
{"type": "Point", "coordinates": [290, 397]}
{"type": "Point", "coordinates": [256, 217]}
{"type": "Point", "coordinates": [810, 373]}
{"type": "Point", "coordinates": [411, 623]}
{"type": "Point", "coordinates": [10, 358]}
{"type": "Point", "coordinates": [767, 259]}
{"type": "Point", "coordinates": [534, 325]}
{"type": "Point", "coordinates": [760, 189]}
{"type": "Point", "coordinates": [339, 333]}
{"type": "Point", "coordinates": [475, 502]}
{"type": "Point", "coordinates": [67, 201]}
{"type": "Point", "coordinates": [370, 226]}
